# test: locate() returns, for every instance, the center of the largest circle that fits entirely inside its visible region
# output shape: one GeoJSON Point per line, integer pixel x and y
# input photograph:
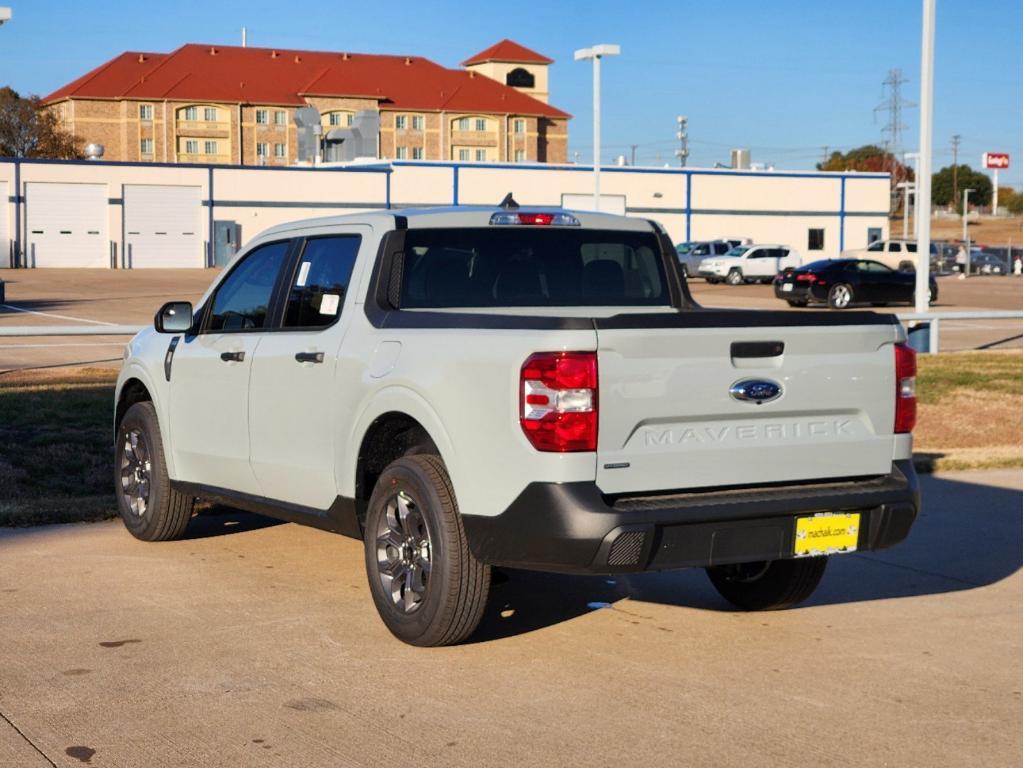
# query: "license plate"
{"type": "Point", "coordinates": [786, 287]}
{"type": "Point", "coordinates": [827, 534]}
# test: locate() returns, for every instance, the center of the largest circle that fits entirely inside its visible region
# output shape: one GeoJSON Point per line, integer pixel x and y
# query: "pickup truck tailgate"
{"type": "Point", "coordinates": [668, 420]}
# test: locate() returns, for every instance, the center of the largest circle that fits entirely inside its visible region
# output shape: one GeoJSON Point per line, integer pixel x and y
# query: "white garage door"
{"type": "Point", "coordinates": [67, 225]}
{"type": "Point", "coordinates": [5, 238]}
{"type": "Point", "coordinates": [162, 226]}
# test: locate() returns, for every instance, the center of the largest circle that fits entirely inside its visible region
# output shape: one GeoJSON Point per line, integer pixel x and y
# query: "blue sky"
{"type": "Point", "coordinates": [783, 78]}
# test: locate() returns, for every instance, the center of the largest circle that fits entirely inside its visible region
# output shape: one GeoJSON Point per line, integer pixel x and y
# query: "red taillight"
{"type": "Point", "coordinates": [905, 388]}
{"type": "Point", "coordinates": [558, 401]}
{"type": "Point", "coordinates": [806, 277]}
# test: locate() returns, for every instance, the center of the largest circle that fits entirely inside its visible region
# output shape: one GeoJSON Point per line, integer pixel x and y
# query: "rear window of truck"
{"type": "Point", "coordinates": [531, 267]}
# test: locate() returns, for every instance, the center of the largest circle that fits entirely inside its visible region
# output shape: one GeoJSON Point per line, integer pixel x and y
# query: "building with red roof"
{"type": "Point", "coordinates": [228, 104]}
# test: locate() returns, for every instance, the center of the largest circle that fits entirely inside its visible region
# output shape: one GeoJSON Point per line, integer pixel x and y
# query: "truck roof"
{"type": "Point", "coordinates": [456, 216]}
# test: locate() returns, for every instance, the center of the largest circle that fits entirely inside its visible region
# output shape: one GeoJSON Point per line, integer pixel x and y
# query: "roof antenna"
{"type": "Point", "coordinates": [509, 203]}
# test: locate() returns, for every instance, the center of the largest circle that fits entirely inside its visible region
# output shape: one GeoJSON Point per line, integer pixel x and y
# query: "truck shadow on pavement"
{"type": "Point", "coordinates": [968, 535]}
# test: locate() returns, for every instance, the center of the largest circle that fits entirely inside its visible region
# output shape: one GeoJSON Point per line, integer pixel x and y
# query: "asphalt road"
{"type": "Point", "coordinates": [97, 296]}
{"type": "Point", "coordinates": [256, 644]}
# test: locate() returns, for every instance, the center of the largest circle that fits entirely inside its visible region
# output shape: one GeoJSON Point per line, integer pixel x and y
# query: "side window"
{"type": "Point", "coordinates": [318, 289]}
{"type": "Point", "coordinates": [243, 299]}
{"type": "Point", "coordinates": [894, 247]}
{"type": "Point", "coordinates": [911, 247]}
{"type": "Point", "coordinates": [721, 248]}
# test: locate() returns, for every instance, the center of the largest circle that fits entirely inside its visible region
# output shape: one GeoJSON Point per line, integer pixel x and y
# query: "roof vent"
{"type": "Point", "coordinates": [345, 56]}
{"type": "Point", "coordinates": [142, 57]}
{"type": "Point", "coordinates": [297, 58]}
{"type": "Point", "coordinates": [214, 51]}
{"type": "Point", "coordinates": [509, 203]}
{"type": "Point", "coordinates": [408, 61]}
{"type": "Point", "coordinates": [472, 74]}
{"type": "Point", "coordinates": [274, 54]}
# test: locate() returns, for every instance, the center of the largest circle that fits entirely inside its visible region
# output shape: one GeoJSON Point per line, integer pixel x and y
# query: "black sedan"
{"type": "Point", "coordinates": [840, 283]}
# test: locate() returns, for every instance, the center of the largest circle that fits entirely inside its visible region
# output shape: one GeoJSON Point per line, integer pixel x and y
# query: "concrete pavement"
{"type": "Point", "coordinates": [256, 644]}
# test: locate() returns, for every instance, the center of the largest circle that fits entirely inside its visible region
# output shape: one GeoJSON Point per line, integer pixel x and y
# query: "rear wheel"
{"type": "Point", "coordinates": [734, 277]}
{"type": "Point", "coordinates": [150, 508]}
{"type": "Point", "coordinates": [840, 296]}
{"type": "Point", "coordinates": [427, 587]}
{"type": "Point", "coordinates": [770, 585]}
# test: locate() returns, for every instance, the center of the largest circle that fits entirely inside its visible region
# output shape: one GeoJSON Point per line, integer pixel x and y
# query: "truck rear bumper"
{"type": "Point", "coordinates": [573, 528]}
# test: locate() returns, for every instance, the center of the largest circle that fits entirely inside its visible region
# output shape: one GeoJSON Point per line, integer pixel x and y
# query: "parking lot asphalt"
{"type": "Point", "coordinates": [96, 296]}
{"type": "Point", "coordinates": [252, 643]}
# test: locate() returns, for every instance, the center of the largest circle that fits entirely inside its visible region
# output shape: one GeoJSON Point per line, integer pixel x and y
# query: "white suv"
{"type": "Point", "coordinates": [749, 264]}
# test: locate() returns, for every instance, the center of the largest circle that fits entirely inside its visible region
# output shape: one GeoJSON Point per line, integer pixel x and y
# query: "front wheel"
{"type": "Point", "coordinates": [427, 587]}
{"type": "Point", "coordinates": [768, 586]}
{"type": "Point", "coordinates": [150, 508]}
{"type": "Point", "coordinates": [734, 277]}
{"type": "Point", "coordinates": [840, 296]}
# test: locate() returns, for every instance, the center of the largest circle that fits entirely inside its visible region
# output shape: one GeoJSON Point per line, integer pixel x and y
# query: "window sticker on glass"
{"type": "Point", "coordinates": [328, 304]}
{"type": "Point", "coordinates": [303, 274]}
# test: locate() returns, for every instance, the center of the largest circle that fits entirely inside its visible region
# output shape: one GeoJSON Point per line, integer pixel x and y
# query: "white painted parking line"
{"type": "Point", "coordinates": [50, 314]}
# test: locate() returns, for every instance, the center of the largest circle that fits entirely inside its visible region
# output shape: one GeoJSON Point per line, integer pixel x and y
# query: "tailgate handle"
{"type": "Point", "coordinates": [757, 348]}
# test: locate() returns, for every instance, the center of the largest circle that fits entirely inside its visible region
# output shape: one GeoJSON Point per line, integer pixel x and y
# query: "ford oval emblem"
{"type": "Point", "coordinates": [756, 391]}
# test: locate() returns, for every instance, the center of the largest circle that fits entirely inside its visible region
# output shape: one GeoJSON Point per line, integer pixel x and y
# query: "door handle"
{"type": "Point", "coordinates": [309, 357]}
{"type": "Point", "coordinates": [232, 357]}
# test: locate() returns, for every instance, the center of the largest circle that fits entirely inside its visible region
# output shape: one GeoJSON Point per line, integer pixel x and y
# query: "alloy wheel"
{"type": "Point", "coordinates": [404, 552]}
{"type": "Point", "coordinates": [841, 296]}
{"type": "Point", "coordinates": [136, 467]}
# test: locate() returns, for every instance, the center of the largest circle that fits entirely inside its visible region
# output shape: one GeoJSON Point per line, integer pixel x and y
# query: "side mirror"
{"type": "Point", "coordinates": [174, 317]}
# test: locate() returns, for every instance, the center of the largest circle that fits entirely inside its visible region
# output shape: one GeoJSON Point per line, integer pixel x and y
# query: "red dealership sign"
{"type": "Point", "coordinates": [996, 160]}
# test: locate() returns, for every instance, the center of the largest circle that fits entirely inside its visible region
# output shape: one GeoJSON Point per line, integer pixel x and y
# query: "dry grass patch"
{"type": "Point", "coordinates": [56, 446]}
{"type": "Point", "coordinates": [971, 410]}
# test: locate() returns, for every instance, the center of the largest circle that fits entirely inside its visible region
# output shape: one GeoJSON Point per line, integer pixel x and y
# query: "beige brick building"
{"type": "Point", "coordinates": [234, 105]}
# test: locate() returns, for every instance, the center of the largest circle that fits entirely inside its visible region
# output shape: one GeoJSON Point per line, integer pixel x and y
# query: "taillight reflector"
{"type": "Point", "coordinates": [558, 401]}
{"type": "Point", "coordinates": [905, 388]}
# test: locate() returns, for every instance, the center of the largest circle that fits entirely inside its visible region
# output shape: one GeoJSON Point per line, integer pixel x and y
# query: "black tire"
{"type": "Point", "coordinates": [768, 586]}
{"type": "Point", "coordinates": [453, 590]}
{"type": "Point", "coordinates": [713, 280]}
{"type": "Point", "coordinates": [839, 300]}
{"type": "Point", "coordinates": [933, 295]}
{"type": "Point", "coordinates": [793, 303]}
{"type": "Point", "coordinates": [150, 508]}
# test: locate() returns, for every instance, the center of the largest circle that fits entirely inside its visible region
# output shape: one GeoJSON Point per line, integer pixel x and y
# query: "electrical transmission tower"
{"type": "Point", "coordinates": [893, 104]}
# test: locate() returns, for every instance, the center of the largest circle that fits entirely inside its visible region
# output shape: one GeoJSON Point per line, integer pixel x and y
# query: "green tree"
{"type": "Point", "coordinates": [29, 129]}
{"type": "Point", "coordinates": [941, 187]}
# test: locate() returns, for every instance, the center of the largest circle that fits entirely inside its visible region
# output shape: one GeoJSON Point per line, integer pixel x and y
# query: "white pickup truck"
{"type": "Point", "coordinates": [473, 387]}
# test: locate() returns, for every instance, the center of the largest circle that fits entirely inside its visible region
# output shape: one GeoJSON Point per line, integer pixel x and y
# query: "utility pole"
{"type": "Point", "coordinates": [922, 293]}
{"type": "Point", "coordinates": [955, 167]}
{"type": "Point", "coordinates": [632, 149]}
{"type": "Point", "coordinates": [826, 156]}
{"type": "Point", "coordinates": [683, 140]}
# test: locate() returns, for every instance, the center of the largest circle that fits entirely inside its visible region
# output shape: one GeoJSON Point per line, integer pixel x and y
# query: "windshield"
{"type": "Point", "coordinates": [738, 251]}
{"type": "Point", "coordinates": [531, 267]}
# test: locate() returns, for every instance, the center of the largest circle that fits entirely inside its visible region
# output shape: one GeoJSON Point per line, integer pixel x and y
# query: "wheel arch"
{"type": "Point", "coordinates": [397, 422]}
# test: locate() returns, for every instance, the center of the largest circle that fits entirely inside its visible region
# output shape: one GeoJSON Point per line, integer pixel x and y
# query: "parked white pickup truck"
{"type": "Point", "coordinates": [465, 388]}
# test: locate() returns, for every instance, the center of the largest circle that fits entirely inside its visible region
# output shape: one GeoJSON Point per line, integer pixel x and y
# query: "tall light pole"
{"type": "Point", "coordinates": [915, 199]}
{"type": "Point", "coordinates": [596, 53]}
{"type": "Point", "coordinates": [923, 181]}
{"type": "Point", "coordinates": [966, 231]}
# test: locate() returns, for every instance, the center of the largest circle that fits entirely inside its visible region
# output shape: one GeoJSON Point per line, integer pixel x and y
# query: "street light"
{"type": "Point", "coordinates": [596, 53]}
{"type": "Point", "coordinates": [966, 233]}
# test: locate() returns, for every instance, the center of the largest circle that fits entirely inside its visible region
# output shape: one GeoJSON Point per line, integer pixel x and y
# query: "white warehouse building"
{"type": "Point", "coordinates": [134, 215]}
